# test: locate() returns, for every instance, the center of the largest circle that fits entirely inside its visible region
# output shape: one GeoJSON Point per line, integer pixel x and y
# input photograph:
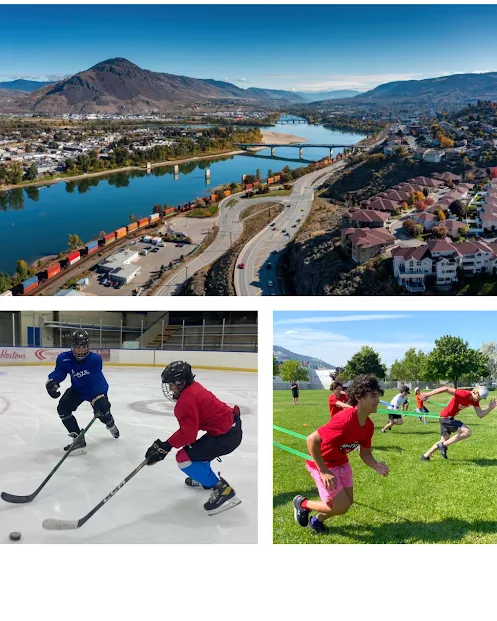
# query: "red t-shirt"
{"type": "Point", "coordinates": [197, 409]}
{"type": "Point", "coordinates": [341, 435]}
{"type": "Point", "coordinates": [462, 399]}
{"type": "Point", "coordinates": [334, 409]}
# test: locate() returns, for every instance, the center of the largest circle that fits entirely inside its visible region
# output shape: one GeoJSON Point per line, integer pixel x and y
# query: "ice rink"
{"type": "Point", "coordinates": [155, 506]}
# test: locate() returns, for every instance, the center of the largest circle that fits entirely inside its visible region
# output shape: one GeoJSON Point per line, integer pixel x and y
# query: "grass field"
{"type": "Point", "coordinates": [441, 501]}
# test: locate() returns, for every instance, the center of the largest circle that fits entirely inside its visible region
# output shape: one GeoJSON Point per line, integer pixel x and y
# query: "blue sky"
{"type": "Point", "coordinates": [336, 336]}
{"type": "Point", "coordinates": [300, 47]}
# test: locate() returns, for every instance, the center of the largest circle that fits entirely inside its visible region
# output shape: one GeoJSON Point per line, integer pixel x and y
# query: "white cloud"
{"type": "Point", "coordinates": [339, 319]}
{"type": "Point", "coordinates": [337, 349]}
{"type": "Point", "coordinates": [291, 332]}
{"type": "Point", "coordinates": [241, 80]}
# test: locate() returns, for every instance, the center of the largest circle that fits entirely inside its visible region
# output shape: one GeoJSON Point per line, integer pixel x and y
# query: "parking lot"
{"type": "Point", "coordinates": [151, 264]}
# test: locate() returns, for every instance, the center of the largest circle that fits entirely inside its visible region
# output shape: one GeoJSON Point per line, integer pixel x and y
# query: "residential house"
{"type": "Point", "coordinates": [381, 204]}
{"type": "Point", "coordinates": [411, 265]}
{"type": "Point", "coordinates": [427, 182]}
{"type": "Point", "coordinates": [426, 219]}
{"type": "Point", "coordinates": [364, 218]}
{"type": "Point", "coordinates": [453, 227]}
{"type": "Point", "coordinates": [447, 177]}
{"type": "Point", "coordinates": [364, 244]}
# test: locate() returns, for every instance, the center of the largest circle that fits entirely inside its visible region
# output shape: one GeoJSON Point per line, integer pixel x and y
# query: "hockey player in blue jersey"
{"type": "Point", "coordinates": [87, 384]}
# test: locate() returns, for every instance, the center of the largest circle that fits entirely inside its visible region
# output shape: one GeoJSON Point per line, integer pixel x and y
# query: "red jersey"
{"type": "Point", "coordinates": [462, 399]}
{"type": "Point", "coordinates": [197, 409]}
{"type": "Point", "coordinates": [334, 409]}
{"type": "Point", "coordinates": [419, 402]}
{"type": "Point", "coordinates": [341, 435]}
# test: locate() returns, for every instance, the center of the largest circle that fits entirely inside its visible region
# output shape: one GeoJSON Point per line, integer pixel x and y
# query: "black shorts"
{"type": "Point", "coordinates": [295, 394]}
{"type": "Point", "coordinates": [450, 425]}
{"type": "Point", "coordinates": [423, 410]}
{"type": "Point", "coordinates": [209, 447]}
{"type": "Point", "coordinates": [392, 417]}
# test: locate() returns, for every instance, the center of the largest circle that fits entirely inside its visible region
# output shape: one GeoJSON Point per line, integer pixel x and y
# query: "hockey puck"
{"type": "Point", "coordinates": [15, 536]}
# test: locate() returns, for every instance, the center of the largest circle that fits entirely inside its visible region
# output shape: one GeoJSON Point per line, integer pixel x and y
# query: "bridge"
{"type": "Point", "coordinates": [288, 121]}
{"type": "Point", "coordinates": [346, 147]}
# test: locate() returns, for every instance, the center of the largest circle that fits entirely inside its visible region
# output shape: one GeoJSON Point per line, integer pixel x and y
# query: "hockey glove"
{"type": "Point", "coordinates": [52, 389]}
{"type": "Point", "coordinates": [100, 405]}
{"type": "Point", "coordinates": [157, 452]}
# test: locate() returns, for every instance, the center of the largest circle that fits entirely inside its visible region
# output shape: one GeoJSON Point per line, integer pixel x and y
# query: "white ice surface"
{"type": "Point", "coordinates": [155, 506]}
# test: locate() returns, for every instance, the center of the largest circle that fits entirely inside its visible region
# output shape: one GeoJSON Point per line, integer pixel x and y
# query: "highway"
{"type": "Point", "coordinates": [230, 229]}
{"type": "Point", "coordinates": [261, 253]}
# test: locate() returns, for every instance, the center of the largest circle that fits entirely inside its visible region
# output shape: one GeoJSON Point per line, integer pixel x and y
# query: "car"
{"type": "Point", "coordinates": [133, 243]}
{"type": "Point", "coordinates": [147, 248]}
{"type": "Point", "coordinates": [270, 283]}
{"type": "Point", "coordinates": [118, 285]}
{"type": "Point", "coordinates": [241, 266]}
{"type": "Point", "coordinates": [108, 283]}
{"type": "Point", "coordinates": [179, 245]}
{"type": "Point", "coordinates": [275, 229]}
{"type": "Point", "coordinates": [273, 224]}
{"type": "Point", "coordinates": [162, 245]}
{"type": "Point", "coordinates": [287, 234]}
{"type": "Point", "coordinates": [301, 210]}
{"type": "Point", "coordinates": [293, 226]}
{"type": "Point", "coordinates": [283, 230]}
{"type": "Point", "coordinates": [274, 251]}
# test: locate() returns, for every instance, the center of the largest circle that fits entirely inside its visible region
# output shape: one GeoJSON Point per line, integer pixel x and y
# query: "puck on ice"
{"type": "Point", "coordinates": [15, 536]}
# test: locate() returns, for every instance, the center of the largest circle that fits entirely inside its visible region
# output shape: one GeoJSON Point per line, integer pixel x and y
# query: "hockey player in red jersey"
{"type": "Point", "coordinates": [197, 409]}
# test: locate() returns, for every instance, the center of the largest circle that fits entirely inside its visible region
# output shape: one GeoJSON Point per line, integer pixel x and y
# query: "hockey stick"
{"type": "Point", "coordinates": [23, 499]}
{"type": "Point", "coordinates": [52, 524]}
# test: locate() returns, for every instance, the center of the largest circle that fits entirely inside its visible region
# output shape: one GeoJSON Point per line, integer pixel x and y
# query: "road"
{"type": "Point", "coordinates": [261, 253]}
{"type": "Point", "coordinates": [230, 229]}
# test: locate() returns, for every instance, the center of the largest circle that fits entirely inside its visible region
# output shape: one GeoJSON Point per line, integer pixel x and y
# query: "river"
{"type": "Point", "coordinates": [35, 222]}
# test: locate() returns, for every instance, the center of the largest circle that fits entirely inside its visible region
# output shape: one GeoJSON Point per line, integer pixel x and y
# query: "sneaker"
{"type": "Point", "coordinates": [300, 514]}
{"type": "Point", "coordinates": [317, 526]}
{"type": "Point", "coordinates": [222, 498]}
{"type": "Point", "coordinates": [423, 458]}
{"type": "Point", "coordinates": [382, 431]}
{"type": "Point", "coordinates": [443, 449]}
{"type": "Point", "coordinates": [114, 431]}
{"type": "Point", "coordinates": [79, 447]}
{"type": "Point", "coordinates": [194, 484]}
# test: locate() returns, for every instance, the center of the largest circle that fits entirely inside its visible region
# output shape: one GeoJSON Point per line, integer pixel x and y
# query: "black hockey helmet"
{"type": "Point", "coordinates": [178, 373]}
{"type": "Point", "coordinates": [80, 344]}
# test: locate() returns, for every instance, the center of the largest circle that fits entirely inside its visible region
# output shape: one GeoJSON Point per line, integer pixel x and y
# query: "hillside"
{"type": "Point", "coordinates": [27, 86]}
{"type": "Point", "coordinates": [459, 87]}
{"type": "Point", "coordinates": [119, 86]}
{"type": "Point", "coordinates": [283, 354]}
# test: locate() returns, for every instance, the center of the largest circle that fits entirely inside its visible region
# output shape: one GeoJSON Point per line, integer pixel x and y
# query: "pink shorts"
{"type": "Point", "coordinates": [343, 476]}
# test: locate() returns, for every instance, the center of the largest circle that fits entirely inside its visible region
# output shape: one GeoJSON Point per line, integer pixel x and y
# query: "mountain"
{"type": "Point", "coordinates": [283, 354]}
{"type": "Point", "coordinates": [328, 95]}
{"type": "Point", "coordinates": [119, 86]}
{"type": "Point", "coordinates": [27, 86]}
{"type": "Point", "coordinates": [460, 87]}
{"type": "Point", "coordinates": [274, 94]}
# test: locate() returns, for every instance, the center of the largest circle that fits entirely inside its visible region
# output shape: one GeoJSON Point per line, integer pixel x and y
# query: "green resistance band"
{"type": "Point", "coordinates": [292, 451]}
{"type": "Point", "coordinates": [290, 433]}
{"type": "Point", "coordinates": [417, 414]}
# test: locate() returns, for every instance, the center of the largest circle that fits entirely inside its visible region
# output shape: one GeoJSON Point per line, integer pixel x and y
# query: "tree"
{"type": "Point", "coordinates": [410, 367]}
{"type": "Point", "coordinates": [5, 282]}
{"type": "Point", "coordinates": [428, 201]}
{"type": "Point", "coordinates": [456, 207]}
{"type": "Point", "coordinates": [31, 173]}
{"type": "Point", "coordinates": [426, 191]}
{"type": "Point", "coordinates": [440, 231]}
{"type": "Point", "coordinates": [452, 358]}
{"type": "Point", "coordinates": [490, 350]}
{"type": "Point", "coordinates": [417, 230]}
{"type": "Point", "coordinates": [22, 270]}
{"type": "Point", "coordinates": [131, 217]}
{"type": "Point", "coordinates": [258, 174]}
{"type": "Point", "coordinates": [365, 361]}
{"type": "Point", "coordinates": [276, 367]}
{"type": "Point", "coordinates": [74, 241]}
{"type": "Point", "coordinates": [291, 370]}
{"type": "Point", "coordinates": [404, 205]}
{"type": "Point", "coordinates": [421, 206]}
{"type": "Point", "coordinates": [419, 196]}
{"type": "Point", "coordinates": [441, 215]}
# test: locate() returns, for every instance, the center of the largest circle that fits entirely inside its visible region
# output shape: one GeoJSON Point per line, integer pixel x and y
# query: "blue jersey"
{"type": "Point", "coordinates": [86, 376]}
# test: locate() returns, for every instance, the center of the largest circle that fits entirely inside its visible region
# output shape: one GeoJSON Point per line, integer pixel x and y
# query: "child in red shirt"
{"type": "Point", "coordinates": [448, 424]}
{"type": "Point", "coordinates": [329, 446]}
{"type": "Point", "coordinates": [337, 401]}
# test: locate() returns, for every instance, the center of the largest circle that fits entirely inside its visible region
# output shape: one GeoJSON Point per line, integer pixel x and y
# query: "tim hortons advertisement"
{"type": "Point", "coordinates": [26, 355]}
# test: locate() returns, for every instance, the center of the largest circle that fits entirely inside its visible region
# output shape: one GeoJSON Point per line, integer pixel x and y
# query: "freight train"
{"type": "Point", "coordinates": [32, 283]}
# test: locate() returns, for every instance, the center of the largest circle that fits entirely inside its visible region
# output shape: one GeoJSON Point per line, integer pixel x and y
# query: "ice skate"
{"type": "Point", "coordinates": [114, 431]}
{"type": "Point", "coordinates": [189, 482]}
{"type": "Point", "coordinates": [80, 447]}
{"type": "Point", "coordinates": [222, 498]}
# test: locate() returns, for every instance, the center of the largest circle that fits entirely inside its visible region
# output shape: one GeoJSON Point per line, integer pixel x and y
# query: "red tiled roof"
{"type": "Point", "coordinates": [382, 204]}
{"type": "Point", "coordinates": [424, 217]}
{"type": "Point", "coordinates": [367, 238]}
{"type": "Point", "coordinates": [368, 215]}
{"type": "Point", "coordinates": [440, 245]}
{"type": "Point", "coordinates": [427, 182]}
{"type": "Point", "coordinates": [417, 253]}
{"type": "Point", "coordinates": [452, 225]}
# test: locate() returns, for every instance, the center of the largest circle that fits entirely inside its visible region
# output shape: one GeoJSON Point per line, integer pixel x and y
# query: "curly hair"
{"type": "Point", "coordinates": [338, 382]}
{"type": "Point", "coordinates": [360, 387]}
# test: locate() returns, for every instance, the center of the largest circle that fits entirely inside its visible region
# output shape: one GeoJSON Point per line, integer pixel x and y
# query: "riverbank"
{"type": "Point", "coordinates": [267, 137]}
